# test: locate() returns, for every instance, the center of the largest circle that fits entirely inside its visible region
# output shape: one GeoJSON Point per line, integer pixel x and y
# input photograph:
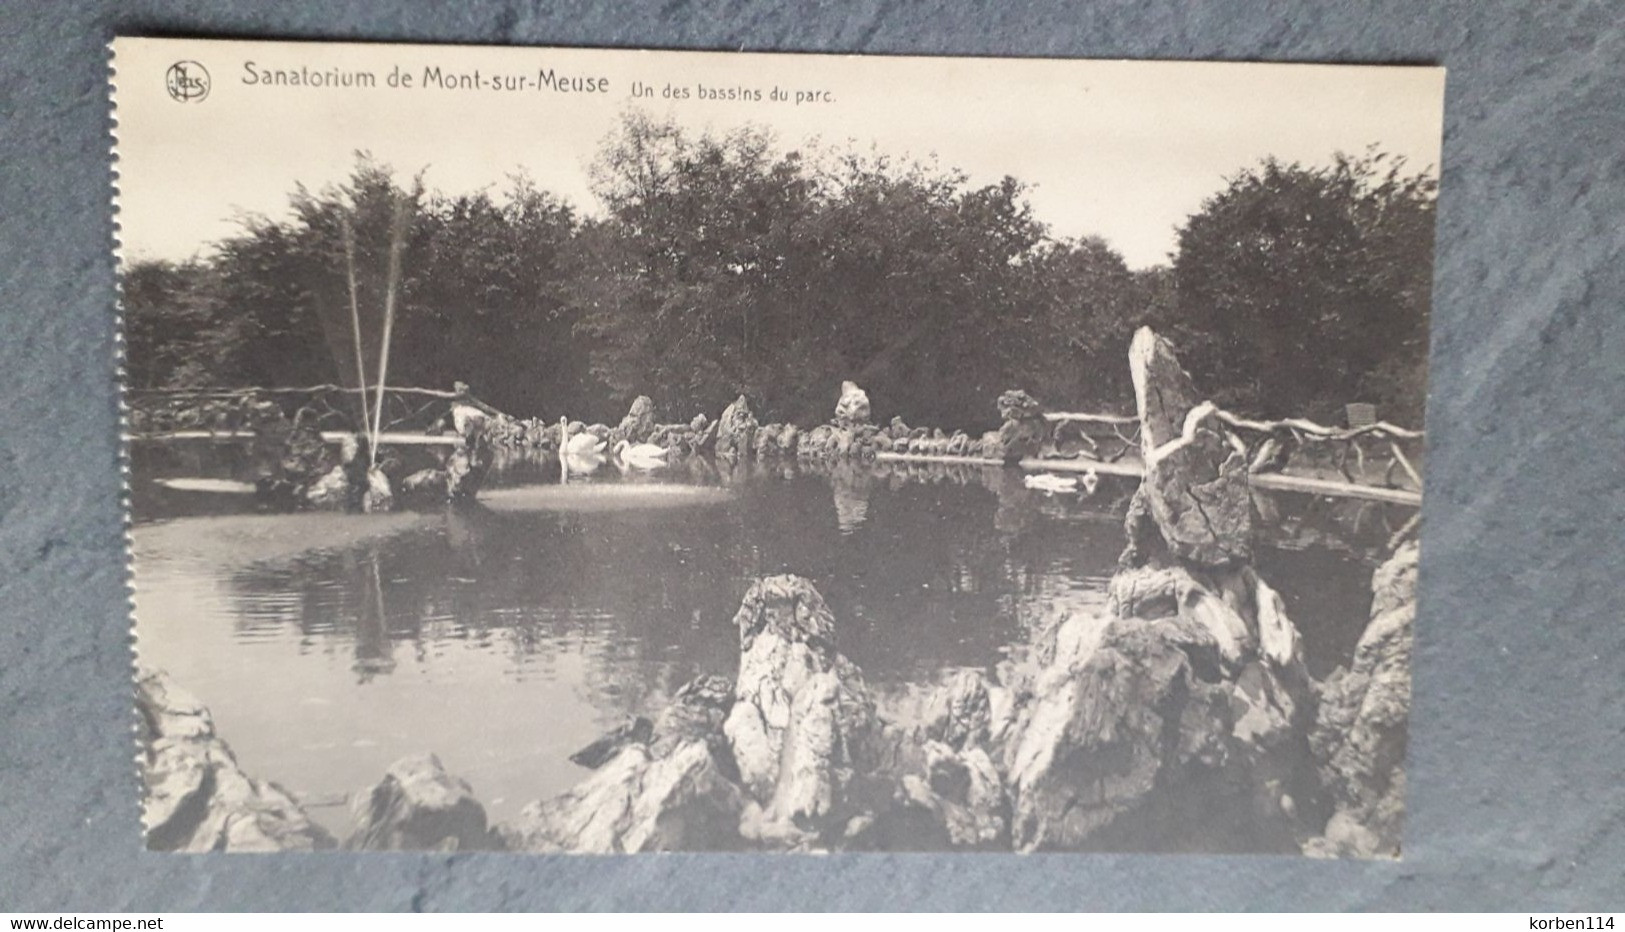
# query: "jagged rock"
{"type": "Point", "coordinates": [672, 789]}
{"type": "Point", "coordinates": [1113, 727]}
{"type": "Point", "coordinates": [469, 462]}
{"type": "Point", "coordinates": [677, 801]}
{"type": "Point", "coordinates": [776, 440]}
{"type": "Point", "coordinates": [960, 712]}
{"type": "Point", "coordinates": [853, 407]}
{"type": "Point", "coordinates": [898, 429]}
{"type": "Point", "coordinates": [818, 443]}
{"type": "Point", "coordinates": [697, 711]}
{"type": "Point", "coordinates": [963, 791]}
{"type": "Point", "coordinates": [1360, 735]}
{"type": "Point", "coordinates": [991, 446]}
{"type": "Point", "coordinates": [418, 806]}
{"type": "Point", "coordinates": [789, 437]}
{"type": "Point", "coordinates": [377, 497]}
{"type": "Point", "coordinates": [955, 779]}
{"type": "Point", "coordinates": [1024, 429]}
{"type": "Point", "coordinates": [736, 429]}
{"type": "Point", "coordinates": [802, 718]}
{"type": "Point", "coordinates": [196, 796]}
{"type": "Point", "coordinates": [1195, 480]}
{"type": "Point", "coordinates": [1182, 714]}
{"type": "Point", "coordinates": [288, 456]}
{"type": "Point", "coordinates": [331, 492]}
{"type": "Point", "coordinates": [638, 423]}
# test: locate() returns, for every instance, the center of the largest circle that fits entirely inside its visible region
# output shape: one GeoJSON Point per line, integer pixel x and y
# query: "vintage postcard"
{"type": "Point", "coordinates": [567, 450]}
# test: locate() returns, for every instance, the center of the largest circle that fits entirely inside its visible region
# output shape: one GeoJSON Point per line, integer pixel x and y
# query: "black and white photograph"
{"type": "Point", "coordinates": [613, 451]}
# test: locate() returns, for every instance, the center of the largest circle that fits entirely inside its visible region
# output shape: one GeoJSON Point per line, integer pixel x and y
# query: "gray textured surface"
{"type": "Point", "coordinates": [1518, 739]}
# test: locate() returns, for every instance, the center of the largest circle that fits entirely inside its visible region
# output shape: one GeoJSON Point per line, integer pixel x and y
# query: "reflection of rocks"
{"type": "Point", "coordinates": [1016, 502]}
{"type": "Point", "coordinates": [374, 650]}
{"type": "Point", "coordinates": [197, 798]}
{"type": "Point", "coordinates": [417, 806]}
{"type": "Point", "coordinates": [1360, 736]}
{"type": "Point", "coordinates": [852, 484]}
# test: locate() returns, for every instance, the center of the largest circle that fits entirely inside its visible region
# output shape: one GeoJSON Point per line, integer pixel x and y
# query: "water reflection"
{"type": "Point", "coordinates": [506, 635]}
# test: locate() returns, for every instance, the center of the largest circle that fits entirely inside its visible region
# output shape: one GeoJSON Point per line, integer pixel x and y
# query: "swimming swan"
{"type": "Point", "coordinates": [1053, 484]}
{"type": "Point", "coordinates": [584, 444]}
{"type": "Point", "coordinates": [1050, 482]}
{"type": "Point", "coordinates": [640, 455]}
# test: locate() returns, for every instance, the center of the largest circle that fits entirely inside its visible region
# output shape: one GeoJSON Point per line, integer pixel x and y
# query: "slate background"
{"type": "Point", "coordinates": [1518, 734]}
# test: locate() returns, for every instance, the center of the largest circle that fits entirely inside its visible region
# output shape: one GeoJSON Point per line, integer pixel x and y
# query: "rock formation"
{"type": "Point", "coordinates": [736, 430]}
{"type": "Point", "coordinates": [471, 458]}
{"type": "Point", "coordinates": [668, 787]}
{"type": "Point", "coordinates": [196, 796]}
{"type": "Point", "coordinates": [1024, 429]}
{"type": "Point", "coordinates": [1181, 719]}
{"type": "Point", "coordinates": [852, 409]}
{"type": "Point", "coordinates": [638, 424]}
{"type": "Point", "coordinates": [1195, 482]}
{"type": "Point", "coordinates": [417, 806]}
{"type": "Point", "coordinates": [1359, 737]}
{"type": "Point", "coordinates": [961, 785]}
{"type": "Point", "coordinates": [802, 722]}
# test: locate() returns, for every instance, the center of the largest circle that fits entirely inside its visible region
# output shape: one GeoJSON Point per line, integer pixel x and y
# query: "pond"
{"type": "Point", "coordinates": [507, 636]}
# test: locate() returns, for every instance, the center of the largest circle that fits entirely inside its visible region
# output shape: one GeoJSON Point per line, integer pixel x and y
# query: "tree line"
{"type": "Point", "coordinates": [723, 264]}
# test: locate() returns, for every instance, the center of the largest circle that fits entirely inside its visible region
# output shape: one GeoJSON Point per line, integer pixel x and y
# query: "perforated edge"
{"type": "Point", "coordinates": [121, 379]}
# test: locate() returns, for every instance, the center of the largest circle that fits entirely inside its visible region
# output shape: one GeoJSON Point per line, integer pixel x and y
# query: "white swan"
{"type": "Point", "coordinates": [580, 455]}
{"type": "Point", "coordinates": [1050, 482]}
{"type": "Point", "coordinates": [584, 444]}
{"type": "Point", "coordinates": [640, 455]}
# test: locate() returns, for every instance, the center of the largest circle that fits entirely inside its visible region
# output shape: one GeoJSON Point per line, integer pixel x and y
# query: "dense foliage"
{"type": "Point", "coordinates": [1302, 289]}
{"type": "Point", "coordinates": [721, 264]}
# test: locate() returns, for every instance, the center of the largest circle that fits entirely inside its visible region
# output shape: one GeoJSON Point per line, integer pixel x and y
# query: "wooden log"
{"type": "Point", "coordinates": [1399, 455]}
{"type": "Point", "coordinates": [1114, 419]}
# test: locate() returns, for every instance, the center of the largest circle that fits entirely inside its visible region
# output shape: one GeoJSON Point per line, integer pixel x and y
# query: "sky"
{"type": "Point", "coordinates": [1118, 149]}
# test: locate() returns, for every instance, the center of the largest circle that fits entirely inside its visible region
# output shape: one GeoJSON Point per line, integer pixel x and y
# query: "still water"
{"type": "Point", "coordinates": [506, 636]}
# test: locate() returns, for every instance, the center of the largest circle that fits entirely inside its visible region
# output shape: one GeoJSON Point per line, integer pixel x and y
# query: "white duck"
{"type": "Point", "coordinates": [640, 455]}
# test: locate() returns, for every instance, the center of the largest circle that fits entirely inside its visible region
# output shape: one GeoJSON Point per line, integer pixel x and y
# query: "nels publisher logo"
{"type": "Point", "coordinates": [187, 81]}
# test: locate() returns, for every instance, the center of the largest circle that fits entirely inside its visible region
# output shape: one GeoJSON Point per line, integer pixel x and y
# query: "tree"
{"type": "Point", "coordinates": [167, 305]}
{"type": "Point", "coordinates": [725, 266]}
{"type": "Point", "coordinates": [1308, 288]}
{"type": "Point", "coordinates": [479, 297]}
